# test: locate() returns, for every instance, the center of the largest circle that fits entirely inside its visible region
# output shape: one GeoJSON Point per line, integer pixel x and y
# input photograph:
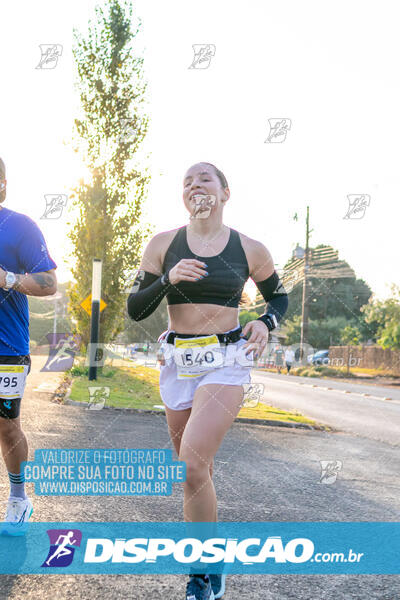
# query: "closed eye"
{"type": "Point", "coordinates": [188, 183]}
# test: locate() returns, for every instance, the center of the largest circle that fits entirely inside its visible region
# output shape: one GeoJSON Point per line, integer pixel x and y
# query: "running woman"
{"type": "Point", "coordinates": [25, 268]}
{"type": "Point", "coordinates": [202, 268]}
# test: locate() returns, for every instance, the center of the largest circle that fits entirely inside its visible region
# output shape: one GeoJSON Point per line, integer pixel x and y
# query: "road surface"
{"type": "Point", "coordinates": [344, 406]}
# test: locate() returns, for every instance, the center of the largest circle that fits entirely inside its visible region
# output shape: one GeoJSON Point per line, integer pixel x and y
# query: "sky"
{"type": "Point", "coordinates": [329, 69]}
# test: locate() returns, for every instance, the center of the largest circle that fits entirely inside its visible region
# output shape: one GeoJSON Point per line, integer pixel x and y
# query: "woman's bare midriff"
{"type": "Point", "coordinates": [202, 318]}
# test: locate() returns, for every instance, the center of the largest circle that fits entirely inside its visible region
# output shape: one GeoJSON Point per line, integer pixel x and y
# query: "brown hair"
{"type": "Point", "coordinates": [218, 173]}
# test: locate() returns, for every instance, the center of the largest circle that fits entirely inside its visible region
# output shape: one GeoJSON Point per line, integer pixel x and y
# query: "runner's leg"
{"type": "Point", "coordinates": [215, 406]}
{"type": "Point", "coordinates": [177, 420]}
{"type": "Point", "coordinates": [14, 445]}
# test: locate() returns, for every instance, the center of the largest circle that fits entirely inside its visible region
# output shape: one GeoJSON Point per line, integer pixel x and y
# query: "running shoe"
{"type": "Point", "coordinates": [218, 584]}
{"type": "Point", "coordinates": [198, 589]}
{"type": "Point", "coordinates": [18, 513]}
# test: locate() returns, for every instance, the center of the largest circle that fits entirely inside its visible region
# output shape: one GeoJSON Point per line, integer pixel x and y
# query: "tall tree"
{"type": "Point", "coordinates": [333, 290]}
{"type": "Point", "coordinates": [108, 134]}
{"type": "Point", "coordinates": [386, 314]}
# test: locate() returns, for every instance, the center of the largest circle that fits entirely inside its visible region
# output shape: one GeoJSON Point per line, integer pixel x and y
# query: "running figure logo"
{"type": "Point", "coordinates": [252, 394]}
{"type": "Point", "coordinates": [202, 56]}
{"type": "Point", "coordinates": [137, 281]}
{"type": "Point", "coordinates": [201, 205]}
{"type": "Point", "coordinates": [357, 205]}
{"type": "Point", "coordinates": [128, 130]}
{"type": "Point", "coordinates": [278, 129]}
{"type": "Point", "coordinates": [55, 203]}
{"type": "Point", "coordinates": [63, 543]}
{"type": "Point", "coordinates": [63, 347]}
{"type": "Point", "coordinates": [330, 470]}
{"type": "Point", "coordinates": [97, 397]}
{"type": "Point", "coordinates": [50, 55]}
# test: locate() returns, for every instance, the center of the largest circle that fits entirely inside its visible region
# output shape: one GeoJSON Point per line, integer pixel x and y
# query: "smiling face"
{"type": "Point", "coordinates": [203, 193]}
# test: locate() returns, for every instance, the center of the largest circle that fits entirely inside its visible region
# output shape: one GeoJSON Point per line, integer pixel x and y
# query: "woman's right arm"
{"type": "Point", "coordinates": [148, 289]}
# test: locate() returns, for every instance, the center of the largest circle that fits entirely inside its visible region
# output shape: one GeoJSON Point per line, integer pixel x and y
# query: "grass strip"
{"type": "Point", "coordinates": [138, 387]}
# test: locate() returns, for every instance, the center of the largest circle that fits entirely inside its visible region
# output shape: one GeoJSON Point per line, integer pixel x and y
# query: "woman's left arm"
{"type": "Point", "coordinates": [265, 277]}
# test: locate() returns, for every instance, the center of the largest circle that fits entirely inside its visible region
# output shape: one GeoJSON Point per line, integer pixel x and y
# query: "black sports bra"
{"type": "Point", "coordinates": [227, 273]}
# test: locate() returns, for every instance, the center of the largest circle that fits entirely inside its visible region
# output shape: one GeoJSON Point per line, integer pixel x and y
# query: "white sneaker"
{"type": "Point", "coordinates": [18, 513]}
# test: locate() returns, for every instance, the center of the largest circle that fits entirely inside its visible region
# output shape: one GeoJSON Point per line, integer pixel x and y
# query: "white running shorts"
{"type": "Point", "coordinates": [177, 394]}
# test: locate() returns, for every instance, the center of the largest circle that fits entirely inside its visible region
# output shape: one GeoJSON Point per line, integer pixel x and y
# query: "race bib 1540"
{"type": "Point", "coordinates": [196, 356]}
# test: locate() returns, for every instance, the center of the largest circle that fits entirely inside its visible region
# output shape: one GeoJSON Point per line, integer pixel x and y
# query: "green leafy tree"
{"type": "Point", "coordinates": [247, 315]}
{"type": "Point", "coordinates": [330, 297]}
{"type": "Point", "coordinates": [339, 298]}
{"type": "Point", "coordinates": [108, 134]}
{"type": "Point", "coordinates": [321, 334]}
{"type": "Point", "coordinates": [351, 336]}
{"type": "Point", "coordinates": [385, 314]}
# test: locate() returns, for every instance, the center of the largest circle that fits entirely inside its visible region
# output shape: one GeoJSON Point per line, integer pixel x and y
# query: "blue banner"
{"type": "Point", "coordinates": [237, 548]}
{"type": "Point", "coordinates": [103, 472]}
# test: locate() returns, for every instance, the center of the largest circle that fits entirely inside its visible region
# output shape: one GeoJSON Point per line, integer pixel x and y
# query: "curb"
{"type": "Point", "coordinates": [246, 420]}
{"type": "Point", "coordinates": [134, 410]}
{"type": "Point", "coordinates": [271, 422]}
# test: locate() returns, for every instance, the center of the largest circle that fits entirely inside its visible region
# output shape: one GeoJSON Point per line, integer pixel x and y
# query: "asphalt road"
{"type": "Point", "coordinates": [344, 406]}
{"type": "Point", "coordinates": [261, 474]}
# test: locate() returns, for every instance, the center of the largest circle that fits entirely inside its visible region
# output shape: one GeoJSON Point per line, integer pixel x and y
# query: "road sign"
{"type": "Point", "coordinates": [87, 304]}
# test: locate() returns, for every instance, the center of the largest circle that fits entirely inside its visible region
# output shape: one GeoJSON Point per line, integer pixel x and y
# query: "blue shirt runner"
{"type": "Point", "coordinates": [22, 250]}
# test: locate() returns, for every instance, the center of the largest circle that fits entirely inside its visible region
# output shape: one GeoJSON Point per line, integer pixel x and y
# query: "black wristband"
{"type": "Point", "coordinates": [269, 320]}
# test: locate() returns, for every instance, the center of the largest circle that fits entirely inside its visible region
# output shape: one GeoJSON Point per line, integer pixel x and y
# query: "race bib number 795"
{"type": "Point", "coordinates": [12, 380]}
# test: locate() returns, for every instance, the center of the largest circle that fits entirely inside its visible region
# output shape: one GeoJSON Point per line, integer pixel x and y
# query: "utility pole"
{"type": "Point", "coordinates": [304, 304]}
{"type": "Point", "coordinates": [95, 318]}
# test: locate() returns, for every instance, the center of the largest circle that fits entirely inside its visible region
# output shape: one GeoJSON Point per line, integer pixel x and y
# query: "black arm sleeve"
{"type": "Point", "coordinates": [146, 294]}
{"type": "Point", "coordinates": [275, 294]}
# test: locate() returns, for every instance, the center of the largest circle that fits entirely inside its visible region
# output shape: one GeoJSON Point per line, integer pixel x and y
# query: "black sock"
{"type": "Point", "coordinates": [202, 575]}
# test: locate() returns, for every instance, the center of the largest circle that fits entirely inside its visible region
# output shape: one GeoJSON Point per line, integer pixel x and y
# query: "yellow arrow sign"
{"type": "Point", "coordinates": [87, 304]}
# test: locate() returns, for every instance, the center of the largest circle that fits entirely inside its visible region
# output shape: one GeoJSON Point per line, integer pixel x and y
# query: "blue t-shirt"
{"type": "Point", "coordinates": [22, 250]}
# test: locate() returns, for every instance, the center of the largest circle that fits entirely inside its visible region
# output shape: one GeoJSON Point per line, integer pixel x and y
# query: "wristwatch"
{"type": "Point", "coordinates": [164, 279]}
{"type": "Point", "coordinates": [10, 280]}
